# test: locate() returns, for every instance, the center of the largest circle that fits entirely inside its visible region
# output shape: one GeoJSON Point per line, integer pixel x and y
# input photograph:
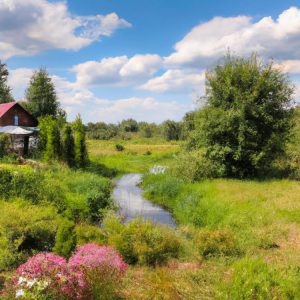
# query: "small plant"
{"type": "Point", "coordinates": [148, 152]}
{"type": "Point", "coordinates": [120, 147]}
{"type": "Point", "coordinates": [216, 243]}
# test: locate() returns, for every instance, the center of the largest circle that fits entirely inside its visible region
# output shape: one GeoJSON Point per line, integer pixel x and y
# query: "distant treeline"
{"type": "Point", "coordinates": [168, 130]}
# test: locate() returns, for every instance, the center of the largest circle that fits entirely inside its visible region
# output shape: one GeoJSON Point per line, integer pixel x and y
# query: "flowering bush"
{"type": "Point", "coordinates": [92, 271]}
{"type": "Point", "coordinates": [102, 268]}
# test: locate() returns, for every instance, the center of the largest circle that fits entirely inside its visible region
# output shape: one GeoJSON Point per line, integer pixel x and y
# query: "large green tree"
{"type": "Point", "coordinates": [5, 91]}
{"type": "Point", "coordinates": [246, 121]}
{"type": "Point", "coordinates": [41, 95]}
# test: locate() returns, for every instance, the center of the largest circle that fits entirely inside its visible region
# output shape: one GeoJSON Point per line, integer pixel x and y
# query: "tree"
{"type": "Point", "coordinates": [50, 141]}
{"type": "Point", "coordinates": [129, 125]}
{"type": "Point", "coordinates": [246, 121]}
{"type": "Point", "coordinates": [5, 91]}
{"type": "Point", "coordinates": [41, 96]}
{"type": "Point", "coordinates": [81, 155]}
{"type": "Point", "coordinates": [171, 130]}
{"type": "Point", "coordinates": [68, 146]}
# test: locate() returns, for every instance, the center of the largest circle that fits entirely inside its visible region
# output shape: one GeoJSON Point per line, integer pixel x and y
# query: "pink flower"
{"type": "Point", "coordinates": [92, 256]}
{"type": "Point", "coordinates": [43, 265]}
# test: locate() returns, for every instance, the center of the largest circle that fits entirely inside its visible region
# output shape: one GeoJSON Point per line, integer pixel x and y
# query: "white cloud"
{"type": "Point", "coordinates": [119, 70]}
{"type": "Point", "coordinates": [139, 108]}
{"type": "Point", "coordinates": [207, 42]}
{"type": "Point", "coordinates": [28, 27]}
{"type": "Point", "coordinates": [289, 66]}
{"type": "Point", "coordinates": [176, 81]}
{"type": "Point", "coordinates": [18, 80]}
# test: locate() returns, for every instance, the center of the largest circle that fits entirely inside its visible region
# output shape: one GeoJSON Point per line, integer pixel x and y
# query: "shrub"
{"type": "Point", "coordinates": [254, 279]}
{"type": "Point", "coordinates": [81, 154]}
{"type": "Point", "coordinates": [87, 234]}
{"type": "Point", "coordinates": [25, 228]}
{"type": "Point", "coordinates": [193, 166]}
{"type": "Point", "coordinates": [216, 243]}
{"type": "Point", "coordinates": [65, 241]}
{"type": "Point", "coordinates": [43, 276]}
{"type": "Point", "coordinates": [68, 146]}
{"type": "Point", "coordinates": [98, 199]}
{"type": "Point", "coordinates": [119, 147]}
{"type": "Point", "coordinates": [141, 241]}
{"type": "Point", "coordinates": [101, 267]}
{"type": "Point", "coordinates": [4, 144]}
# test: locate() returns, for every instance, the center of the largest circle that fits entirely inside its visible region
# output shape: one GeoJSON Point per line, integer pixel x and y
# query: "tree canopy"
{"type": "Point", "coordinates": [5, 91]}
{"type": "Point", "coordinates": [41, 95]}
{"type": "Point", "coordinates": [246, 121]}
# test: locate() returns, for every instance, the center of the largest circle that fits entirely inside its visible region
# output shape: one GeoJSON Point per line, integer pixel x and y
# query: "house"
{"type": "Point", "coordinates": [19, 124]}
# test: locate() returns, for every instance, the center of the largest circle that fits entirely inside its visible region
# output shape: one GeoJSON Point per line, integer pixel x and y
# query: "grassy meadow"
{"type": "Point", "coordinates": [240, 238]}
{"type": "Point", "coordinates": [235, 239]}
{"type": "Point", "coordinates": [138, 155]}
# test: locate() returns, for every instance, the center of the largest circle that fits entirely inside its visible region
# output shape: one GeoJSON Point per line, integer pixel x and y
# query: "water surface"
{"type": "Point", "coordinates": [129, 196]}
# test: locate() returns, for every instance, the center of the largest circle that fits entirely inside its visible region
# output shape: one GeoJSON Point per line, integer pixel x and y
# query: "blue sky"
{"type": "Point", "coordinates": [116, 59]}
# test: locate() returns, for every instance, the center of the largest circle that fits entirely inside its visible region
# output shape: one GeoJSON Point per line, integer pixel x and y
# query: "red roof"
{"type": "Point", "coordinates": [5, 107]}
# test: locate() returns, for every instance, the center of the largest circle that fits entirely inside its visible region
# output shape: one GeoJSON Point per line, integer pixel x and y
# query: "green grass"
{"type": "Point", "coordinates": [138, 156]}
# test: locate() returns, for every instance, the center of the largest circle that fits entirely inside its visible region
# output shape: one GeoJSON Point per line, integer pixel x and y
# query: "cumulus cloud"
{"type": "Point", "coordinates": [176, 81]}
{"type": "Point", "coordinates": [208, 41]}
{"type": "Point", "coordinates": [28, 27]}
{"type": "Point", "coordinates": [119, 70]}
{"type": "Point", "coordinates": [289, 66]}
{"type": "Point", "coordinates": [139, 108]}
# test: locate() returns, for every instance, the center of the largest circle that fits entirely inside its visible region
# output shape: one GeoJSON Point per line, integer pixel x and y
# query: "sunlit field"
{"type": "Point", "coordinates": [138, 155]}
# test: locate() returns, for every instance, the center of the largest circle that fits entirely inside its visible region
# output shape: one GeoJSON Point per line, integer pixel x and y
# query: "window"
{"type": "Point", "coordinates": [16, 120]}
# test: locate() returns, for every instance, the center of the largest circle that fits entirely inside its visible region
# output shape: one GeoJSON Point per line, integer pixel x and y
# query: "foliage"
{"type": "Point", "coordinates": [5, 90]}
{"type": "Point", "coordinates": [25, 228]}
{"type": "Point", "coordinates": [247, 119]}
{"type": "Point", "coordinates": [41, 96]}
{"type": "Point", "coordinates": [81, 154]}
{"type": "Point", "coordinates": [120, 147]}
{"type": "Point", "coordinates": [88, 234]}
{"type": "Point", "coordinates": [194, 166]}
{"type": "Point", "coordinates": [102, 269]}
{"type": "Point", "coordinates": [129, 125]}
{"type": "Point", "coordinates": [171, 130]}
{"type": "Point", "coordinates": [254, 279]}
{"type": "Point", "coordinates": [141, 242]}
{"type": "Point", "coordinates": [4, 144]}
{"type": "Point", "coordinates": [68, 146]}
{"type": "Point", "coordinates": [98, 199]}
{"type": "Point", "coordinates": [65, 240]}
{"type": "Point", "coordinates": [216, 243]}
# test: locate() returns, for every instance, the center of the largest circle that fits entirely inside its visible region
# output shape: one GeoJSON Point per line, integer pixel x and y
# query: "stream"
{"type": "Point", "coordinates": [129, 197]}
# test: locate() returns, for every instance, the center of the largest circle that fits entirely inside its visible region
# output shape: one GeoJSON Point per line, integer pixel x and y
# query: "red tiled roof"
{"type": "Point", "coordinates": [5, 107]}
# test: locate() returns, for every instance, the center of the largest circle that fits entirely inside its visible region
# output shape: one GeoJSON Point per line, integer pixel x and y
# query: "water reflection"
{"type": "Point", "coordinates": [128, 195]}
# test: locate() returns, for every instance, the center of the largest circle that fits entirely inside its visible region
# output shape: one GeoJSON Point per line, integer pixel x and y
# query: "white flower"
{"type": "Point", "coordinates": [21, 280]}
{"type": "Point", "coordinates": [19, 293]}
{"type": "Point", "coordinates": [158, 170]}
{"type": "Point", "coordinates": [30, 283]}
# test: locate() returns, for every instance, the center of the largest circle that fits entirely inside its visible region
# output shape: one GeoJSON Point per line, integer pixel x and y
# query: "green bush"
{"type": "Point", "coordinates": [65, 240]}
{"type": "Point", "coordinates": [88, 234]}
{"type": "Point", "coordinates": [216, 243]}
{"type": "Point", "coordinates": [193, 166]}
{"type": "Point", "coordinates": [25, 228]}
{"type": "Point", "coordinates": [4, 144]}
{"type": "Point", "coordinates": [254, 279]}
{"type": "Point", "coordinates": [119, 147]}
{"type": "Point", "coordinates": [141, 242]}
